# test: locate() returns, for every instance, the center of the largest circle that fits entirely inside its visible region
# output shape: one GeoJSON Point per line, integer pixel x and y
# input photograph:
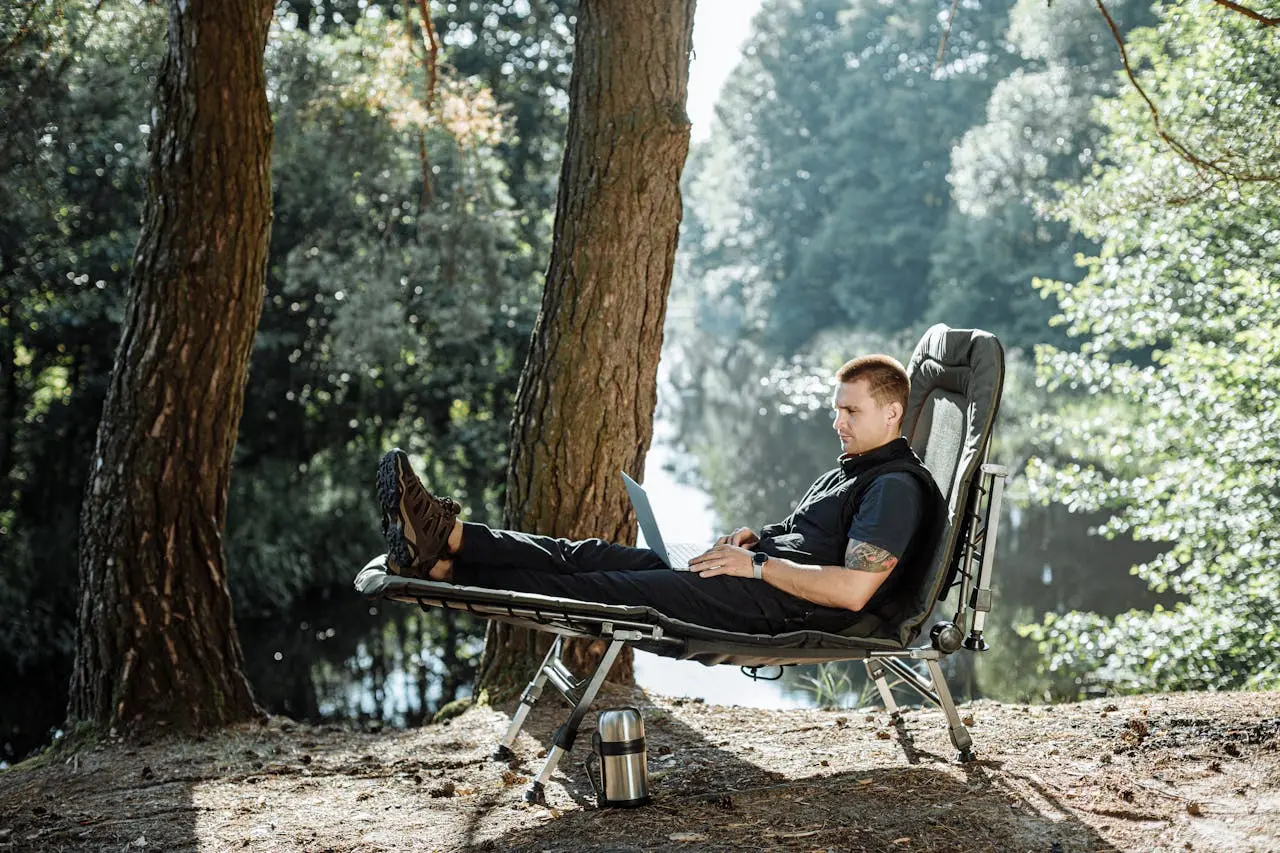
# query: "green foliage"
{"type": "Point", "coordinates": [825, 181]}
{"type": "Point", "coordinates": [76, 85]}
{"type": "Point", "coordinates": [832, 685]}
{"type": "Point", "coordinates": [1180, 353]}
{"type": "Point", "coordinates": [1038, 131]}
{"type": "Point", "coordinates": [390, 318]}
{"type": "Point", "coordinates": [852, 181]}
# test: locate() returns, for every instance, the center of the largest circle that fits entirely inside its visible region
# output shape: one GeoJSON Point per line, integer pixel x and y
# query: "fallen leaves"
{"type": "Point", "coordinates": [510, 777]}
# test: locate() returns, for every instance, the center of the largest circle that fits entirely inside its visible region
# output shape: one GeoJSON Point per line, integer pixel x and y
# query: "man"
{"type": "Point", "coordinates": [858, 531]}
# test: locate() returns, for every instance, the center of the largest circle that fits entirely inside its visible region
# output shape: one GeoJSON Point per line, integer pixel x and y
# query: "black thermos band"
{"type": "Point", "coordinates": [626, 747]}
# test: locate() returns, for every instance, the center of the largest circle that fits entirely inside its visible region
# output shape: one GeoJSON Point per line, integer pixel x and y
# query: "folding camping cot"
{"type": "Point", "coordinates": [956, 381]}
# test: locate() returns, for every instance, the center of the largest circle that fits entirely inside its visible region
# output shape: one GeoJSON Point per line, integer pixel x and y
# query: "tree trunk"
{"type": "Point", "coordinates": [585, 406]}
{"type": "Point", "coordinates": [156, 644]}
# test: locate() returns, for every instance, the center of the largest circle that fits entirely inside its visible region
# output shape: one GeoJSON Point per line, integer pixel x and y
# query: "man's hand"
{"type": "Point", "coordinates": [723, 559]}
{"type": "Point", "coordinates": [743, 537]}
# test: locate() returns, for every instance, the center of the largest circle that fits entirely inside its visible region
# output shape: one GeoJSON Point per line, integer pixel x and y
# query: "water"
{"type": "Point", "coordinates": [340, 657]}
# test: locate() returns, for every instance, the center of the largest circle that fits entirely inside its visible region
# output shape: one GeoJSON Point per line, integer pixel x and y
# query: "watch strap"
{"type": "Point", "coordinates": [757, 565]}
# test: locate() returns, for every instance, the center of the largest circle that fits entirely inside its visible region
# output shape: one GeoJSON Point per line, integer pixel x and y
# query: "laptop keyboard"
{"type": "Point", "coordinates": [682, 552]}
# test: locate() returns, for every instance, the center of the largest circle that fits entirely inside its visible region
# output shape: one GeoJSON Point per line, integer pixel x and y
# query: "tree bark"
{"type": "Point", "coordinates": [156, 645]}
{"type": "Point", "coordinates": [585, 406]}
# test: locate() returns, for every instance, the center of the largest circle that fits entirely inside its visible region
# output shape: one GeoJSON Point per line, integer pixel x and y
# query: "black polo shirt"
{"type": "Point", "coordinates": [879, 497]}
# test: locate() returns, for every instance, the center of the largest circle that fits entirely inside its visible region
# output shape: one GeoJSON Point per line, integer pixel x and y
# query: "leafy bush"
{"type": "Point", "coordinates": [1180, 350]}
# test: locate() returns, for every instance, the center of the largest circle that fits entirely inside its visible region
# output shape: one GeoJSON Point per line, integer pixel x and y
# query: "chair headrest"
{"type": "Point", "coordinates": [956, 380]}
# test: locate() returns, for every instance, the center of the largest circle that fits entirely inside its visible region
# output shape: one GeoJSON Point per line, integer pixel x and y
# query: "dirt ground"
{"type": "Point", "coordinates": [1151, 773]}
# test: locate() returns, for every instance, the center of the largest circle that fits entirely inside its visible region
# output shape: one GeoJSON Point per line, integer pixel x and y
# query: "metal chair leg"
{"type": "Point", "coordinates": [876, 672]}
{"type": "Point", "coordinates": [527, 700]}
{"type": "Point", "coordinates": [562, 742]}
{"type": "Point", "coordinates": [959, 734]}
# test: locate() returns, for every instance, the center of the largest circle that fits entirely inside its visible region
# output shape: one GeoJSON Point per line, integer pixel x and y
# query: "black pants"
{"type": "Point", "coordinates": [597, 571]}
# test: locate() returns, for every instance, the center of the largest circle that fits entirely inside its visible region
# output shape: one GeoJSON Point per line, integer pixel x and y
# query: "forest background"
{"type": "Point", "coordinates": [874, 168]}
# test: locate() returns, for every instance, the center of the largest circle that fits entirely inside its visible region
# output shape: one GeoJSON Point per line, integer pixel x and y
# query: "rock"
{"type": "Point", "coordinates": [453, 709]}
{"type": "Point", "coordinates": [685, 837]}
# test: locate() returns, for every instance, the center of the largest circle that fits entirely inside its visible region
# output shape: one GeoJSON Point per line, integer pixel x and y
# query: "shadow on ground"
{"type": "Point", "coordinates": [818, 785]}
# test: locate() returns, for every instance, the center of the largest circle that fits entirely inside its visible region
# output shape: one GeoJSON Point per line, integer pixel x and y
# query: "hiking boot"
{"type": "Point", "coordinates": [415, 523]}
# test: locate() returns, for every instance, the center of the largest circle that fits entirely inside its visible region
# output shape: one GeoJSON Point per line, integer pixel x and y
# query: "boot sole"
{"type": "Point", "coordinates": [402, 550]}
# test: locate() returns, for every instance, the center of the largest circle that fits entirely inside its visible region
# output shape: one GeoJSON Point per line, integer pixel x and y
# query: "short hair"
{"type": "Point", "coordinates": [884, 374]}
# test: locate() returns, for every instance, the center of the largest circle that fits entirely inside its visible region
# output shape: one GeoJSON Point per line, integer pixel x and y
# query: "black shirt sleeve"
{"type": "Point", "coordinates": [777, 528]}
{"type": "Point", "coordinates": [890, 513]}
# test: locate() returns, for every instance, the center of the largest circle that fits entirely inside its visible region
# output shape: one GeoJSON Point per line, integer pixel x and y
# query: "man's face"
{"type": "Point", "coordinates": [861, 422]}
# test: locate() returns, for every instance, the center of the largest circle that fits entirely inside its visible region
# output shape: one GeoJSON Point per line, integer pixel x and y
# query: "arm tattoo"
{"type": "Point", "coordinates": [864, 557]}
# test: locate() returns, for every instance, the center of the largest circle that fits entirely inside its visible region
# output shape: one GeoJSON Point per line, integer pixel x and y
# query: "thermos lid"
{"type": "Point", "coordinates": [620, 724]}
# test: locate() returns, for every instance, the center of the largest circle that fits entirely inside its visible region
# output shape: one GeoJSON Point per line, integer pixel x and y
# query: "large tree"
{"type": "Point", "coordinates": [586, 400]}
{"type": "Point", "coordinates": [157, 644]}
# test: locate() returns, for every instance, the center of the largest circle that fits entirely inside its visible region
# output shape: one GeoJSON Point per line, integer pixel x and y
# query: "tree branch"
{"type": "Point", "coordinates": [1178, 148]}
{"type": "Point", "coordinates": [1248, 13]}
{"type": "Point", "coordinates": [946, 34]}
{"type": "Point", "coordinates": [430, 64]}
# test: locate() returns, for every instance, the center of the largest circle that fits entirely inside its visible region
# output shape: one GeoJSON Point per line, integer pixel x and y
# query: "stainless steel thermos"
{"type": "Point", "coordinates": [624, 770]}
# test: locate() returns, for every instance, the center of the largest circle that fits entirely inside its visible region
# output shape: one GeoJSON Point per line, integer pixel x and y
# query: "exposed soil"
{"type": "Point", "coordinates": [1151, 773]}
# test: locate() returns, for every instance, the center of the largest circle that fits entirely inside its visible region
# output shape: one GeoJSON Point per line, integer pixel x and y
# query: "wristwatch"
{"type": "Point", "coordinates": [758, 559]}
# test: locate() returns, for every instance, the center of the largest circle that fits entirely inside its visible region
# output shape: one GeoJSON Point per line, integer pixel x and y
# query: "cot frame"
{"type": "Point", "coordinates": [622, 626]}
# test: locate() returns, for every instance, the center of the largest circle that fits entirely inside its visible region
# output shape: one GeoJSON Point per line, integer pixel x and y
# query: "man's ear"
{"type": "Point", "coordinates": [895, 411]}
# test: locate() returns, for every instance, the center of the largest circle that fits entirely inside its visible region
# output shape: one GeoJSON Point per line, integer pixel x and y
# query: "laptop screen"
{"type": "Point", "coordinates": [644, 516]}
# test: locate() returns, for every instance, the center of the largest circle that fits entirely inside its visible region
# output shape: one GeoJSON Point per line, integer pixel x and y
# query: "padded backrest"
{"type": "Point", "coordinates": [957, 376]}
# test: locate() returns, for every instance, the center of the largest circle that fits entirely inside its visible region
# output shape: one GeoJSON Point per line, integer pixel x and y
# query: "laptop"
{"type": "Point", "coordinates": [675, 554]}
